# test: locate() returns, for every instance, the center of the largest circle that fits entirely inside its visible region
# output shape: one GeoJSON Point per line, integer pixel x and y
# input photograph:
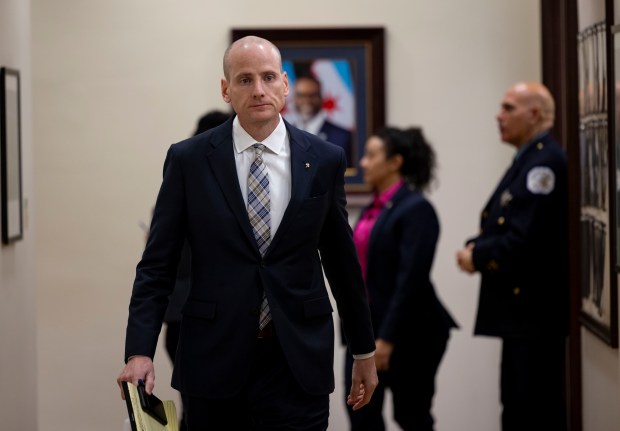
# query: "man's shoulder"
{"type": "Point", "coordinates": [203, 140]}
{"type": "Point", "coordinates": [549, 145]}
{"type": "Point", "coordinates": [315, 145]}
{"type": "Point", "coordinates": [312, 142]}
{"type": "Point", "coordinates": [546, 151]}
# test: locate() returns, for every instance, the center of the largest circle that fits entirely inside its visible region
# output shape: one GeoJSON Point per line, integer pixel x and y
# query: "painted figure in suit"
{"type": "Point", "coordinates": [262, 205]}
{"type": "Point", "coordinates": [396, 237]}
{"type": "Point", "coordinates": [522, 256]}
{"type": "Point", "coordinates": [308, 102]}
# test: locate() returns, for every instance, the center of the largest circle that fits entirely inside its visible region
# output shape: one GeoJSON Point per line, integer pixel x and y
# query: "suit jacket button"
{"type": "Point", "coordinates": [501, 220]}
{"type": "Point", "coordinates": [262, 264]}
{"type": "Point", "coordinates": [516, 290]}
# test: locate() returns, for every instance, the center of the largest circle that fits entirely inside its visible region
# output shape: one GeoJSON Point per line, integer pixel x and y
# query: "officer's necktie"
{"type": "Point", "coordinates": [258, 211]}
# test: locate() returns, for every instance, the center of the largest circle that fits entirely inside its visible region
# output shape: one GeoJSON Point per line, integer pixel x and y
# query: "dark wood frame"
{"type": "Point", "coordinates": [10, 173]}
{"type": "Point", "coordinates": [559, 70]}
{"type": "Point", "coordinates": [371, 41]}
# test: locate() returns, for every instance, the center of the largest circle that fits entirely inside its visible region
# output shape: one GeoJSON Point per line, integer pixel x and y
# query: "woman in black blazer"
{"type": "Point", "coordinates": [396, 238]}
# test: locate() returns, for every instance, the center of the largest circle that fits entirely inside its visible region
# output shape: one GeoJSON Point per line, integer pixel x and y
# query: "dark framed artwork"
{"type": "Point", "coordinates": [597, 154]}
{"type": "Point", "coordinates": [347, 64]}
{"type": "Point", "coordinates": [10, 156]}
{"type": "Point", "coordinates": [615, 106]}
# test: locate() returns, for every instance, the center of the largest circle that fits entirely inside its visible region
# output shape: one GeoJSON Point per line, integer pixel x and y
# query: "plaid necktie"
{"type": "Point", "coordinates": [258, 212]}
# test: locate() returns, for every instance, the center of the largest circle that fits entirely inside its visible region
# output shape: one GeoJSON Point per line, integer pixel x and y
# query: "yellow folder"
{"type": "Point", "coordinates": [143, 421]}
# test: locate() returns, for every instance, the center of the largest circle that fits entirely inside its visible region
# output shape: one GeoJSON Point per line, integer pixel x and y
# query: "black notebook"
{"type": "Point", "coordinates": [147, 412]}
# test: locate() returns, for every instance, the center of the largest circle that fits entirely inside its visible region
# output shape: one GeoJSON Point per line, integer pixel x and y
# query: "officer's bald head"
{"type": "Point", "coordinates": [527, 110]}
{"type": "Point", "coordinates": [538, 97]}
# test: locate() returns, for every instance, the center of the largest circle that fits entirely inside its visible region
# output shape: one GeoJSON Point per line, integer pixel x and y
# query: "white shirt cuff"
{"type": "Point", "coordinates": [364, 355]}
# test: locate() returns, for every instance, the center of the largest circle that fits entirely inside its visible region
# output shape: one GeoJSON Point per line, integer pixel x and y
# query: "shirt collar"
{"type": "Point", "coordinates": [529, 144]}
{"type": "Point", "coordinates": [314, 124]}
{"type": "Point", "coordinates": [274, 142]}
{"type": "Point", "coordinates": [382, 198]}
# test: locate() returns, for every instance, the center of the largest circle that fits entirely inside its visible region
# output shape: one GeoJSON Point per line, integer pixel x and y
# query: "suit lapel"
{"type": "Point", "coordinates": [513, 171]}
{"type": "Point", "coordinates": [385, 214]}
{"type": "Point", "coordinates": [303, 168]}
{"type": "Point", "coordinates": [222, 162]}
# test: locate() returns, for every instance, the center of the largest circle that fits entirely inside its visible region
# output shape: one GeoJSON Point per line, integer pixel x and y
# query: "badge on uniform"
{"type": "Point", "coordinates": [540, 180]}
{"type": "Point", "coordinates": [505, 198]}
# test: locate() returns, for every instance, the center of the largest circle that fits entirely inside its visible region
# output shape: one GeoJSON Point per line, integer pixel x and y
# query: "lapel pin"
{"type": "Point", "coordinates": [307, 165]}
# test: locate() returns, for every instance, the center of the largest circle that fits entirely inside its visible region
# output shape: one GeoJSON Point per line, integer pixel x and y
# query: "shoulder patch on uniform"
{"type": "Point", "coordinates": [540, 180]}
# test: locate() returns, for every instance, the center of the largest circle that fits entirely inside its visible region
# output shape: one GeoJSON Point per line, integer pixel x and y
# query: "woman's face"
{"type": "Point", "coordinates": [378, 169]}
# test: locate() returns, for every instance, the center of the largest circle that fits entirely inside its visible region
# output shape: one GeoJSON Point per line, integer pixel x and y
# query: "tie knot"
{"type": "Point", "coordinates": [258, 149]}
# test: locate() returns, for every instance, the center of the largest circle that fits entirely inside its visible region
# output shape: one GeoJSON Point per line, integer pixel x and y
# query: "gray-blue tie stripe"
{"type": "Point", "coordinates": [259, 206]}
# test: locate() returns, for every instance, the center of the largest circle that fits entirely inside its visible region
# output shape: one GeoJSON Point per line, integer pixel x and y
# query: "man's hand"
{"type": "Point", "coordinates": [365, 381]}
{"type": "Point", "coordinates": [465, 260]}
{"type": "Point", "coordinates": [138, 367]}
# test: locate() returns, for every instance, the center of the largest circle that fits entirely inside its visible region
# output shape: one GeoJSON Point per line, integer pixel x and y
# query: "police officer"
{"type": "Point", "coordinates": [521, 254]}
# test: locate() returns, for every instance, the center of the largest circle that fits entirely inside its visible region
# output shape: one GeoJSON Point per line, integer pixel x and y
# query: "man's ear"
{"type": "Point", "coordinates": [224, 86]}
{"type": "Point", "coordinates": [286, 85]}
{"type": "Point", "coordinates": [536, 114]}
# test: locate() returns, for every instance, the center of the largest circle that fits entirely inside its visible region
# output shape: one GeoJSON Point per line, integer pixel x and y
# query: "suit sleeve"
{"type": "Point", "coordinates": [156, 271]}
{"type": "Point", "coordinates": [343, 271]}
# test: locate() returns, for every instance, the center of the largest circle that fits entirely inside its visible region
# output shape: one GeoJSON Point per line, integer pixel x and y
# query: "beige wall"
{"type": "Point", "coordinates": [116, 82]}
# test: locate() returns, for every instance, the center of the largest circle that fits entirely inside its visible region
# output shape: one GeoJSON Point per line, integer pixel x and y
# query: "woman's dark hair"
{"type": "Point", "coordinates": [210, 120]}
{"type": "Point", "coordinates": [418, 156]}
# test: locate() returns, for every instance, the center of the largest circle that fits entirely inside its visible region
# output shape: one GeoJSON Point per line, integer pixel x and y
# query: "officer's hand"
{"type": "Point", "coordinates": [464, 259]}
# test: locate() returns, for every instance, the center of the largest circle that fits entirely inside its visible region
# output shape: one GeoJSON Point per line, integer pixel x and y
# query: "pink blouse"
{"type": "Point", "coordinates": [363, 228]}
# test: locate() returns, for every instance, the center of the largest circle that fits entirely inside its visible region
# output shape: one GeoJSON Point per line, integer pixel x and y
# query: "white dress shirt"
{"type": "Point", "coordinates": [277, 159]}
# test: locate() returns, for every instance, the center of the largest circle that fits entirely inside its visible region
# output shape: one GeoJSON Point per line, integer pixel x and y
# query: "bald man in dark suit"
{"type": "Point", "coordinates": [262, 205]}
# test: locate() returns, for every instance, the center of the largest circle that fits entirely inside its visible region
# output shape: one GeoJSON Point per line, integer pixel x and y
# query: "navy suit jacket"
{"type": "Point", "coordinates": [522, 249]}
{"type": "Point", "coordinates": [400, 256]}
{"type": "Point", "coordinates": [200, 198]}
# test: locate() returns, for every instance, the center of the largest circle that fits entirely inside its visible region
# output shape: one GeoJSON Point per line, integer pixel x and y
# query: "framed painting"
{"type": "Point", "coordinates": [10, 156]}
{"type": "Point", "coordinates": [598, 194]}
{"type": "Point", "coordinates": [336, 78]}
